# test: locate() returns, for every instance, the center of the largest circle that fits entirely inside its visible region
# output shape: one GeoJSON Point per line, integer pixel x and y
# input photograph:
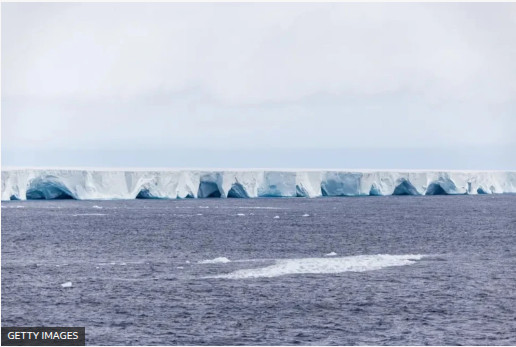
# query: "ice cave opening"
{"type": "Point", "coordinates": [405, 188]}
{"type": "Point", "coordinates": [40, 189]}
{"type": "Point", "coordinates": [301, 192]}
{"type": "Point", "coordinates": [237, 191]}
{"type": "Point", "coordinates": [208, 190]}
{"type": "Point", "coordinates": [374, 191]}
{"type": "Point", "coordinates": [435, 189]}
{"type": "Point", "coordinates": [145, 194]}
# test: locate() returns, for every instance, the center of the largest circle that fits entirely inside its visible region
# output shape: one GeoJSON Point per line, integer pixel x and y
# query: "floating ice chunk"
{"type": "Point", "coordinates": [306, 215]}
{"type": "Point", "coordinates": [331, 254]}
{"type": "Point", "coordinates": [218, 260]}
{"type": "Point", "coordinates": [240, 214]}
{"type": "Point", "coordinates": [87, 184]}
{"type": "Point", "coordinates": [66, 284]}
{"type": "Point", "coordinates": [357, 263]}
{"type": "Point", "coordinates": [276, 217]}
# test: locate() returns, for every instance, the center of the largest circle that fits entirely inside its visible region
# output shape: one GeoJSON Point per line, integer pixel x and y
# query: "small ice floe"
{"type": "Point", "coordinates": [331, 254]}
{"type": "Point", "coordinates": [240, 214]}
{"type": "Point", "coordinates": [187, 262]}
{"type": "Point", "coordinates": [359, 263]}
{"type": "Point", "coordinates": [123, 264]}
{"type": "Point", "coordinates": [66, 285]}
{"type": "Point", "coordinates": [96, 206]}
{"type": "Point", "coordinates": [180, 267]}
{"type": "Point", "coordinates": [306, 215]}
{"type": "Point", "coordinates": [219, 260]}
{"type": "Point", "coordinates": [276, 217]}
{"type": "Point", "coordinates": [199, 214]}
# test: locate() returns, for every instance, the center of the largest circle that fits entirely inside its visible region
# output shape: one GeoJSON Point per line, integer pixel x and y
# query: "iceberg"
{"type": "Point", "coordinates": [107, 184]}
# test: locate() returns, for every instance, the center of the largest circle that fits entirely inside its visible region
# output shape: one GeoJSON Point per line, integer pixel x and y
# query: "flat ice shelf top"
{"type": "Point", "coordinates": [115, 183]}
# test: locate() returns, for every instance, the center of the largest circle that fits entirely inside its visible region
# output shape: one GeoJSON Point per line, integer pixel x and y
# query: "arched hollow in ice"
{"type": "Point", "coordinates": [374, 191]}
{"type": "Point", "coordinates": [301, 192]}
{"type": "Point", "coordinates": [208, 190]}
{"type": "Point", "coordinates": [405, 188]}
{"type": "Point", "coordinates": [435, 189]}
{"type": "Point", "coordinates": [47, 187]}
{"type": "Point", "coordinates": [237, 191]}
{"type": "Point", "coordinates": [481, 190]}
{"type": "Point", "coordinates": [145, 194]}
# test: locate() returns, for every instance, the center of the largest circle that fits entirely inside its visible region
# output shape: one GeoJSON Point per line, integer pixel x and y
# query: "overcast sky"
{"type": "Point", "coordinates": [259, 85]}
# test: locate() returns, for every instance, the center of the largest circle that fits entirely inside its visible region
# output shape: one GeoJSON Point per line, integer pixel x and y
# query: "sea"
{"type": "Point", "coordinates": [392, 270]}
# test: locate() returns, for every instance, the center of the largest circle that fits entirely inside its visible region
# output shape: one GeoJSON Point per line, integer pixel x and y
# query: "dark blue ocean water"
{"type": "Point", "coordinates": [136, 277]}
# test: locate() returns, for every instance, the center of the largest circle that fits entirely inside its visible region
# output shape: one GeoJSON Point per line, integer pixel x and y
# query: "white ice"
{"type": "Point", "coordinates": [357, 263]}
{"type": "Point", "coordinates": [66, 284]}
{"type": "Point", "coordinates": [219, 260]}
{"type": "Point", "coordinates": [92, 184]}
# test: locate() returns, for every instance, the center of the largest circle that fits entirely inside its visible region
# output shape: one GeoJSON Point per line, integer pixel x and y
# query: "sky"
{"type": "Point", "coordinates": [335, 85]}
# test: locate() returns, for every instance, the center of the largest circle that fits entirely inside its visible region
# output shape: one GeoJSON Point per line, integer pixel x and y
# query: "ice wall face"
{"type": "Point", "coordinates": [22, 184]}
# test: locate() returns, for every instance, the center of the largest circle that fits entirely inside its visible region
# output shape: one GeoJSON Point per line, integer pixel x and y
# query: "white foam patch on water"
{"type": "Point", "coordinates": [219, 260]}
{"type": "Point", "coordinates": [331, 254]}
{"type": "Point", "coordinates": [306, 215]}
{"type": "Point", "coordinates": [276, 217]}
{"type": "Point", "coordinates": [357, 263]}
{"type": "Point", "coordinates": [96, 206]}
{"type": "Point", "coordinates": [240, 214]}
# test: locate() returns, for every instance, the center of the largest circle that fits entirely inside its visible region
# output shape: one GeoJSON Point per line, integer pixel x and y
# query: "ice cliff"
{"type": "Point", "coordinates": [90, 184]}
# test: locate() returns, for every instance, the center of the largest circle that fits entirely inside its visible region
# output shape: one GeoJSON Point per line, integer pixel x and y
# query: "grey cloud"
{"type": "Point", "coordinates": [339, 75]}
